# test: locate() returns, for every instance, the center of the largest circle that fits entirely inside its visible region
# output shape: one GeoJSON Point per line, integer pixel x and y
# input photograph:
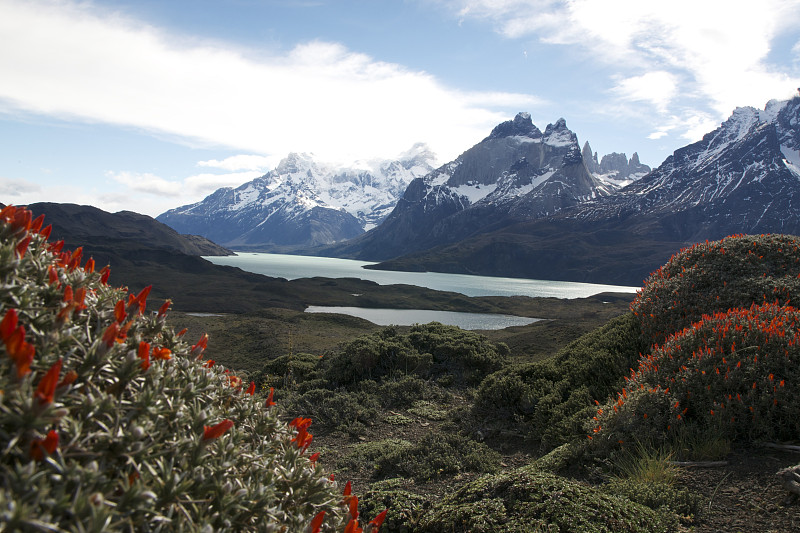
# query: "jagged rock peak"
{"type": "Point", "coordinates": [590, 158]}
{"type": "Point", "coordinates": [560, 125]}
{"type": "Point", "coordinates": [522, 125]}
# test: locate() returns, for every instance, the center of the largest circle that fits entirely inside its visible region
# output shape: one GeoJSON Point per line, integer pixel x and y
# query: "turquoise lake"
{"type": "Point", "coordinates": [298, 266]}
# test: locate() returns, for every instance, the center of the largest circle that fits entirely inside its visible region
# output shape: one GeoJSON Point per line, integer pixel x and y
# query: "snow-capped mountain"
{"type": "Point", "coordinates": [302, 202]}
{"type": "Point", "coordinates": [516, 173]}
{"type": "Point", "coordinates": [743, 177]}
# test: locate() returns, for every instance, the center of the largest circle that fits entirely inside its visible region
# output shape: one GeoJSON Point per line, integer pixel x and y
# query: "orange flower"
{"type": "Point", "coordinates": [47, 444]}
{"type": "Point", "coordinates": [89, 266]}
{"type": "Point", "coordinates": [47, 386]}
{"type": "Point", "coordinates": [69, 379]}
{"type": "Point", "coordinates": [252, 388]}
{"type": "Point", "coordinates": [213, 432]}
{"type": "Point", "coordinates": [303, 438]}
{"type": "Point", "coordinates": [162, 354]}
{"type": "Point", "coordinates": [313, 458]}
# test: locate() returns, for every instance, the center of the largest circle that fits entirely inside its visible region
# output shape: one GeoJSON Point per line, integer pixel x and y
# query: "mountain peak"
{"type": "Point", "coordinates": [294, 162]}
{"type": "Point", "coordinates": [522, 125]}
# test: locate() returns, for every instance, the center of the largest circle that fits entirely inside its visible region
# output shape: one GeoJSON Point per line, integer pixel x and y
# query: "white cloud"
{"type": "Point", "coordinates": [189, 189]}
{"type": "Point", "coordinates": [241, 162]}
{"type": "Point", "coordinates": [80, 61]}
{"type": "Point", "coordinates": [716, 51]}
{"type": "Point", "coordinates": [657, 88]}
{"type": "Point", "coordinates": [11, 189]}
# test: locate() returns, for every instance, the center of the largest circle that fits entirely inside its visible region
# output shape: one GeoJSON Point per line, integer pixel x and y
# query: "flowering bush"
{"type": "Point", "coordinates": [734, 371]}
{"type": "Point", "coordinates": [109, 421]}
{"type": "Point", "coordinates": [716, 276]}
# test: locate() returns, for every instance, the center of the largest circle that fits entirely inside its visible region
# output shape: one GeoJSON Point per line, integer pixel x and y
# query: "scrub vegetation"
{"type": "Point", "coordinates": [110, 420]}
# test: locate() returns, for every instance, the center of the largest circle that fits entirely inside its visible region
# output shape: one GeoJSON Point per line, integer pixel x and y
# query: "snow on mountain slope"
{"type": "Point", "coordinates": [295, 202]}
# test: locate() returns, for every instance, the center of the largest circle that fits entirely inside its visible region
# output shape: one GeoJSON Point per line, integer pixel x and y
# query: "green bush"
{"type": "Point", "coordinates": [405, 390]}
{"type": "Point", "coordinates": [550, 400]}
{"type": "Point", "coordinates": [437, 455]}
{"type": "Point", "coordinates": [427, 351]}
{"type": "Point", "coordinates": [527, 500]}
{"type": "Point", "coordinates": [404, 508]}
{"type": "Point", "coordinates": [350, 412]}
{"type": "Point", "coordinates": [716, 276]}
{"type": "Point", "coordinates": [658, 496]}
{"type": "Point", "coordinates": [289, 371]}
{"type": "Point", "coordinates": [732, 372]}
{"type": "Point", "coordinates": [109, 421]}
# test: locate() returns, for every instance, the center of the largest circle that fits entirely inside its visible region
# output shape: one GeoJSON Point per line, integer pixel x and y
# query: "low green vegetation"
{"type": "Point", "coordinates": [448, 430]}
{"type": "Point", "coordinates": [549, 401]}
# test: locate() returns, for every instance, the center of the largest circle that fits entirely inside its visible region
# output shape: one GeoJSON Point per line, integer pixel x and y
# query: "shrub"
{"type": "Point", "coordinates": [287, 371]}
{"type": "Point", "coordinates": [658, 496]}
{"type": "Point", "coordinates": [734, 272]}
{"type": "Point", "coordinates": [109, 421]}
{"type": "Point", "coordinates": [404, 508]}
{"type": "Point", "coordinates": [550, 400]}
{"type": "Point", "coordinates": [733, 372]}
{"type": "Point", "coordinates": [350, 412]}
{"type": "Point", "coordinates": [430, 350]}
{"type": "Point", "coordinates": [527, 500]}
{"type": "Point", "coordinates": [435, 456]}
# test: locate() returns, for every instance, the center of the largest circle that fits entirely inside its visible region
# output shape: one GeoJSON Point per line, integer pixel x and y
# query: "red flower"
{"type": "Point", "coordinates": [144, 354]}
{"type": "Point", "coordinates": [47, 386]}
{"type": "Point", "coordinates": [164, 308]}
{"type": "Point", "coordinates": [110, 335]}
{"type": "Point", "coordinates": [377, 522]}
{"type": "Point", "coordinates": [316, 523]}
{"type": "Point", "coordinates": [18, 350]}
{"type": "Point", "coordinates": [52, 274]}
{"type": "Point", "coordinates": [8, 324]}
{"type": "Point", "coordinates": [352, 527]}
{"type": "Point", "coordinates": [202, 344]}
{"type": "Point", "coordinates": [119, 311]}
{"type": "Point", "coordinates": [89, 266]}
{"type": "Point", "coordinates": [69, 379]}
{"type": "Point", "coordinates": [252, 388]}
{"type": "Point", "coordinates": [313, 458]}
{"type": "Point", "coordinates": [140, 300]}
{"type": "Point", "coordinates": [209, 363]}
{"type": "Point", "coordinates": [269, 402]}
{"type": "Point", "coordinates": [47, 444]}
{"type": "Point", "coordinates": [46, 231]}
{"type": "Point", "coordinates": [212, 432]}
{"type": "Point", "coordinates": [22, 247]}
{"type": "Point", "coordinates": [104, 274]}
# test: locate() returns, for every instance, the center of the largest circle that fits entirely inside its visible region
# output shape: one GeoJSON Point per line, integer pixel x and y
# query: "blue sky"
{"type": "Point", "coordinates": [151, 104]}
